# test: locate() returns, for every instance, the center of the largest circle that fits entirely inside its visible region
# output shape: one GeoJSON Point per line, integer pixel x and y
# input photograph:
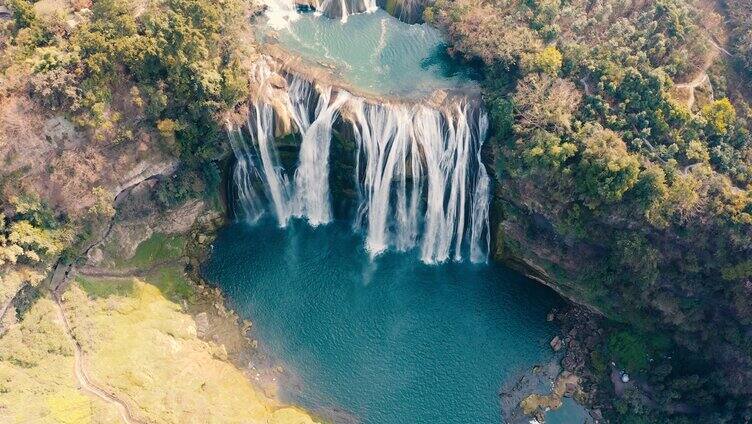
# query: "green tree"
{"type": "Point", "coordinates": [606, 170]}
{"type": "Point", "coordinates": [628, 350]}
{"type": "Point", "coordinates": [720, 115]}
{"type": "Point", "coordinates": [547, 61]}
{"type": "Point", "coordinates": [547, 149]}
{"type": "Point", "coordinates": [103, 203]}
{"type": "Point", "coordinates": [23, 13]}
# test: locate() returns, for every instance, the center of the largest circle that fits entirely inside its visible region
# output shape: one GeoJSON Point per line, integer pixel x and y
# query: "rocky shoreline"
{"type": "Point", "coordinates": [542, 389]}
{"type": "Point", "coordinates": [139, 220]}
{"type": "Point", "coordinates": [218, 323]}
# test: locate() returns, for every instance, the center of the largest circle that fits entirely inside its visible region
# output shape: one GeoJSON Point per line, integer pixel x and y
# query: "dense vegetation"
{"type": "Point", "coordinates": [628, 186]}
{"type": "Point", "coordinates": [28, 243]}
{"type": "Point", "coordinates": [131, 77]}
{"type": "Point", "coordinates": [740, 17]}
{"type": "Point", "coordinates": [117, 67]}
{"type": "Point", "coordinates": [156, 73]}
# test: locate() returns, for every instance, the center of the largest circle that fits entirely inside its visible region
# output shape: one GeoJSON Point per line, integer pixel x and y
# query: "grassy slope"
{"type": "Point", "coordinates": [138, 341]}
{"type": "Point", "coordinates": [37, 383]}
{"type": "Point", "coordinates": [158, 248]}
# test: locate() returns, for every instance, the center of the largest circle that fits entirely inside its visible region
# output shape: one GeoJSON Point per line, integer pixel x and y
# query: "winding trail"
{"type": "Point", "coordinates": [703, 77]}
{"type": "Point", "coordinates": [95, 271]}
{"type": "Point", "coordinates": [5, 308]}
{"type": "Point", "coordinates": [80, 371]}
{"type": "Point", "coordinates": [712, 41]}
{"type": "Point", "coordinates": [692, 85]}
{"type": "Point", "coordinates": [61, 276]}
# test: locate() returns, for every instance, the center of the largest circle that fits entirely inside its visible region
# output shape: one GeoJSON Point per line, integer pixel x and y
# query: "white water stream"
{"type": "Point", "coordinates": [281, 13]}
{"type": "Point", "coordinates": [312, 175]}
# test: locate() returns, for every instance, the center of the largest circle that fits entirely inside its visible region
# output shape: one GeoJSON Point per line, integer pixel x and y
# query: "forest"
{"type": "Point", "coordinates": [162, 75]}
{"type": "Point", "coordinates": [622, 133]}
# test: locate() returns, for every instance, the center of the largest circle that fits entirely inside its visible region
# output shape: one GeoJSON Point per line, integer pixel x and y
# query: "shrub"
{"type": "Point", "coordinates": [547, 61]}
{"type": "Point", "coordinates": [628, 350]}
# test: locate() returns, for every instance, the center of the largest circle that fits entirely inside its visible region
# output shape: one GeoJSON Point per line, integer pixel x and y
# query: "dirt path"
{"type": "Point", "coordinates": [94, 271]}
{"type": "Point", "coordinates": [719, 48]}
{"type": "Point", "coordinates": [692, 85]}
{"type": "Point", "coordinates": [5, 308]}
{"type": "Point", "coordinates": [58, 283]}
{"type": "Point", "coordinates": [702, 77]}
{"type": "Point", "coordinates": [79, 360]}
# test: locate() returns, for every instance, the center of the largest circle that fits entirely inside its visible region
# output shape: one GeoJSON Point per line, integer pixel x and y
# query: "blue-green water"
{"type": "Point", "coordinates": [391, 341]}
{"type": "Point", "coordinates": [570, 412]}
{"type": "Point", "coordinates": [376, 53]}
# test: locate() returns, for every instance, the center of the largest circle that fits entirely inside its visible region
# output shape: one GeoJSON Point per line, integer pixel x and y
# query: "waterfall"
{"type": "Point", "coordinates": [419, 174]}
{"type": "Point", "coordinates": [409, 11]}
{"type": "Point", "coordinates": [343, 8]}
{"type": "Point", "coordinates": [385, 147]}
{"type": "Point", "coordinates": [258, 165]}
{"type": "Point", "coordinates": [275, 182]}
{"type": "Point", "coordinates": [244, 175]}
{"type": "Point", "coordinates": [480, 239]}
{"type": "Point", "coordinates": [258, 161]}
{"type": "Point", "coordinates": [312, 175]}
{"type": "Point", "coordinates": [395, 143]}
{"type": "Point", "coordinates": [280, 13]}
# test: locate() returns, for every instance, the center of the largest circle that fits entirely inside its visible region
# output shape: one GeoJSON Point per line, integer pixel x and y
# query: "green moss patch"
{"type": "Point", "coordinates": [105, 287]}
{"type": "Point", "coordinates": [173, 284]}
{"type": "Point", "coordinates": [158, 248]}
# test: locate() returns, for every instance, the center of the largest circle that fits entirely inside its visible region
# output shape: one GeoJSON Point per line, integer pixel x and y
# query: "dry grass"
{"type": "Point", "coordinates": [37, 384]}
{"type": "Point", "coordinates": [145, 348]}
{"type": "Point", "coordinates": [138, 343]}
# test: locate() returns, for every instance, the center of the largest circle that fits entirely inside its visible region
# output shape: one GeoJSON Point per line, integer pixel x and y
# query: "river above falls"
{"type": "Point", "coordinates": [373, 53]}
{"type": "Point", "coordinates": [390, 340]}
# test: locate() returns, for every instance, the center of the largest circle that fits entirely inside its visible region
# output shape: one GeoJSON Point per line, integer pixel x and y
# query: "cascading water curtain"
{"type": "Point", "coordinates": [244, 175]}
{"type": "Point", "coordinates": [343, 8]}
{"type": "Point", "coordinates": [480, 235]}
{"type": "Point", "coordinates": [420, 178]}
{"type": "Point", "coordinates": [257, 167]}
{"type": "Point", "coordinates": [387, 158]}
{"type": "Point", "coordinates": [281, 13]}
{"type": "Point", "coordinates": [307, 196]}
{"type": "Point", "coordinates": [312, 175]}
{"type": "Point", "coordinates": [409, 153]}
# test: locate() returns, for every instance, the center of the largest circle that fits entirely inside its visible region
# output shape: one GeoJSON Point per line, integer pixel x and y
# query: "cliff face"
{"type": "Point", "coordinates": [657, 280]}
{"type": "Point", "coordinates": [668, 284]}
{"type": "Point", "coordinates": [410, 11]}
{"type": "Point", "coordinates": [617, 191]}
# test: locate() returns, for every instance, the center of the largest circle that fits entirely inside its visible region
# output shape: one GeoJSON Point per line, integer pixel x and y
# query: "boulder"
{"type": "Point", "coordinates": [202, 324]}
{"type": "Point", "coordinates": [569, 389]}
{"type": "Point", "coordinates": [556, 344]}
{"type": "Point", "coordinates": [277, 81]}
